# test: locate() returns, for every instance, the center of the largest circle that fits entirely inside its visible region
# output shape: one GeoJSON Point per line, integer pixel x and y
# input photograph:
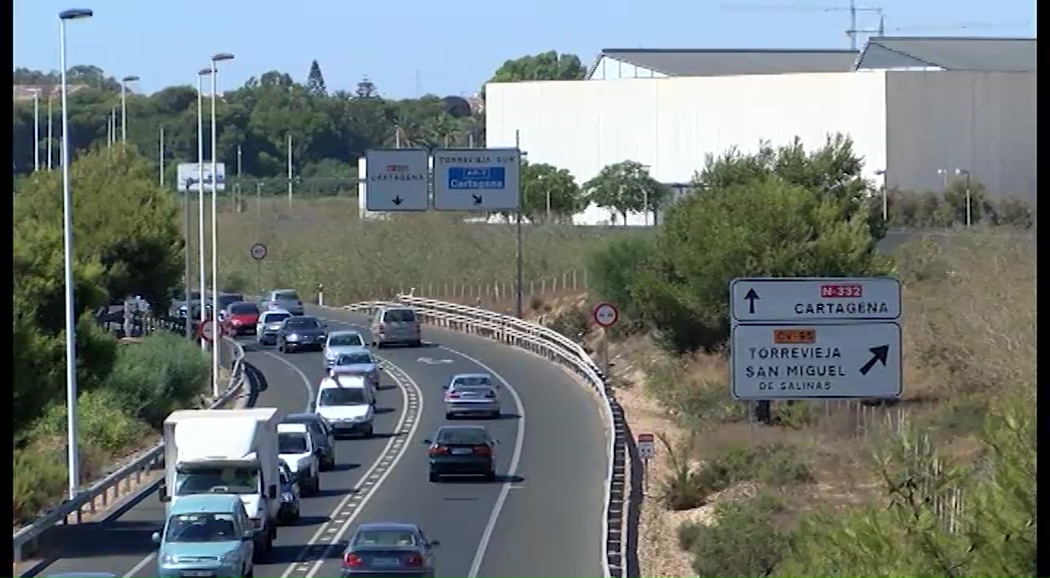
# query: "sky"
{"type": "Point", "coordinates": [414, 47]}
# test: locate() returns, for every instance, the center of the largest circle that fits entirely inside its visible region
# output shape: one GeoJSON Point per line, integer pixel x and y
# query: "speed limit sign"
{"type": "Point", "coordinates": [206, 330]}
{"type": "Point", "coordinates": [258, 251]}
{"type": "Point", "coordinates": [605, 315]}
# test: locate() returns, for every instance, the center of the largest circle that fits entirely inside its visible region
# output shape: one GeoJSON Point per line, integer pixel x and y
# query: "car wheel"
{"type": "Point", "coordinates": [497, 414]}
{"type": "Point", "coordinates": [315, 486]}
{"type": "Point", "coordinates": [434, 478]}
{"type": "Point", "coordinates": [449, 416]}
{"type": "Point", "coordinates": [490, 476]}
{"type": "Point", "coordinates": [280, 347]}
{"type": "Point", "coordinates": [249, 573]}
{"type": "Point", "coordinates": [416, 343]}
{"type": "Point", "coordinates": [368, 432]}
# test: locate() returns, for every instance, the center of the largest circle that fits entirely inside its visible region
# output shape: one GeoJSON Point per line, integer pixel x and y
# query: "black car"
{"type": "Point", "coordinates": [301, 334]}
{"type": "Point", "coordinates": [322, 433]}
{"type": "Point", "coordinates": [462, 450]}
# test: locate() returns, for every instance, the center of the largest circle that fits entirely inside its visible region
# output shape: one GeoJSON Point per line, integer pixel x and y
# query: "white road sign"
{"type": "Point", "coordinates": [605, 314]}
{"type": "Point", "coordinates": [795, 361]}
{"type": "Point", "coordinates": [188, 178]}
{"type": "Point", "coordinates": [258, 251]}
{"type": "Point", "coordinates": [206, 330]}
{"type": "Point", "coordinates": [646, 446]}
{"type": "Point", "coordinates": [477, 179]}
{"type": "Point", "coordinates": [803, 299]}
{"type": "Point", "coordinates": [396, 180]}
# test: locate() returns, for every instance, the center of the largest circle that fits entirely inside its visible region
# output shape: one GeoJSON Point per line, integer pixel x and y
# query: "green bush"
{"type": "Point", "coordinates": [742, 541]}
{"type": "Point", "coordinates": [158, 375]}
{"type": "Point", "coordinates": [39, 477]}
{"type": "Point", "coordinates": [613, 271]}
{"type": "Point", "coordinates": [572, 323]}
{"type": "Point", "coordinates": [102, 422]}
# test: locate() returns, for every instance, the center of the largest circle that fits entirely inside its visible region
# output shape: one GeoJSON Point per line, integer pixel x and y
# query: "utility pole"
{"type": "Point", "coordinates": [289, 170]}
{"type": "Point", "coordinates": [853, 10]}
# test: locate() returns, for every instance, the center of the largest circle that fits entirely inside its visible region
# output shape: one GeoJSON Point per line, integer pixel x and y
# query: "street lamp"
{"type": "Point", "coordinates": [885, 198]}
{"type": "Point", "coordinates": [124, 106]}
{"type": "Point", "coordinates": [215, 60]}
{"type": "Point", "coordinates": [36, 128]}
{"type": "Point", "coordinates": [969, 196]}
{"type": "Point", "coordinates": [944, 177]}
{"type": "Point", "coordinates": [200, 202]}
{"type": "Point", "coordinates": [67, 242]}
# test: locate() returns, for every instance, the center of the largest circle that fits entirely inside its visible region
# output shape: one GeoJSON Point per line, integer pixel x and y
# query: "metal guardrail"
{"type": "Point", "coordinates": [99, 495]}
{"type": "Point", "coordinates": [566, 352]}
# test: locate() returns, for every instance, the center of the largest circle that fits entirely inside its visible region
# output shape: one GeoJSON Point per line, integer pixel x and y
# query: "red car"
{"type": "Point", "coordinates": [240, 319]}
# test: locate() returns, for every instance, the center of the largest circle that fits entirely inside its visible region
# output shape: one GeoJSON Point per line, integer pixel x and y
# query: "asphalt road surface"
{"type": "Point", "coordinates": [542, 517]}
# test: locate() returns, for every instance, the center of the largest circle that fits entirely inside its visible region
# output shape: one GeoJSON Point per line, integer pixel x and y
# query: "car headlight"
{"type": "Point", "coordinates": [230, 558]}
{"type": "Point", "coordinates": [273, 326]}
{"type": "Point", "coordinates": [292, 337]}
{"type": "Point", "coordinates": [166, 558]}
{"type": "Point", "coordinates": [287, 497]}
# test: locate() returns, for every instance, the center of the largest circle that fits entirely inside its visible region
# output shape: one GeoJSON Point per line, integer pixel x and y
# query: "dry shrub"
{"type": "Point", "coordinates": [970, 317]}
{"type": "Point", "coordinates": [324, 241]}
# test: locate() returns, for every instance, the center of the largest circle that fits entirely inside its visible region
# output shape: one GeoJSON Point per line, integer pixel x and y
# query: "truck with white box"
{"type": "Point", "coordinates": [231, 451]}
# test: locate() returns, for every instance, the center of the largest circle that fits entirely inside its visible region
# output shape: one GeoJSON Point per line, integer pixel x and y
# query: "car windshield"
{"type": "Point", "coordinates": [302, 323]}
{"type": "Point", "coordinates": [399, 316]}
{"type": "Point", "coordinates": [356, 358]}
{"type": "Point", "coordinates": [277, 317]}
{"type": "Point", "coordinates": [285, 296]}
{"type": "Point", "coordinates": [470, 435]}
{"type": "Point", "coordinates": [386, 538]}
{"type": "Point", "coordinates": [341, 396]}
{"type": "Point", "coordinates": [207, 480]}
{"type": "Point", "coordinates": [201, 527]}
{"type": "Point", "coordinates": [346, 340]}
{"type": "Point", "coordinates": [472, 380]}
{"type": "Point", "coordinates": [244, 309]}
{"type": "Point", "coordinates": [291, 442]}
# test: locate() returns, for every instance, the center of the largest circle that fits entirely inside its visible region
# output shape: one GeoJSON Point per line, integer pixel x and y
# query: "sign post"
{"type": "Point", "coordinates": [258, 252]}
{"type": "Point", "coordinates": [646, 451]}
{"type": "Point", "coordinates": [605, 315]}
{"type": "Point", "coordinates": [397, 180]}
{"type": "Point", "coordinates": [485, 180]}
{"type": "Point", "coordinates": [815, 338]}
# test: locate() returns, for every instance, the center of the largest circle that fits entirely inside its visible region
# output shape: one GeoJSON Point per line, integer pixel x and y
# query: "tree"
{"type": "Point", "coordinates": [548, 193]}
{"type": "Point", "coordinates": [762, 227]}
{"type": "Point", "coordinates": [122, 218]}
{"type": "Point", "coordinates": [315, 80]}
{"type": "Point", "coordinates": [626, 187]}
{"type": "Point", "coordinates": [548, 65]}
{"type": "Point", "coordinates": [366, 89]}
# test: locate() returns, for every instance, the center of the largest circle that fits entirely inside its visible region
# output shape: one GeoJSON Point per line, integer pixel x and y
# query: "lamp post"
{"type": "Point", "coordinates": [215, 60]}
{"type": "Point", "coordinates": [36, 128]}
{"type": "Point", "coordinates": [969, 195]}
{"type": "Point", "coordinates": [885, 197]}
{"type": "Point", "coordinates": [944, 178]}
{"type": "Point", "coordinates": [124, 106]}
{"type": "Point", "coordinates": [67, 237]}
{"type": "Point", "coordinates": [200, 202]}
{"type": "Point", "coordinates": [50, 131]}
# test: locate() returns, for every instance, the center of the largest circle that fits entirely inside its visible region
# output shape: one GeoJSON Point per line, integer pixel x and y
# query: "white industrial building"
{"type": "Point", "coordinates": [914, 107]}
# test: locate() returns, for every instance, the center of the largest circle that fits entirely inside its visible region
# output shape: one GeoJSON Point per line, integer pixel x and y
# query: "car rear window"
{"type": "Point", "coordinates": [244, 309]}
{"type": "Point", "coordinates": [399, 316]}
{"type": "Point", "coordinates": [385, 538]}
{"type": "Point", "coordinates": [285, 296]}
{"type": "Point", "coordinates": [471, 380]}
{"type": "Point", "coordinates": [462, 436]}
{"type": "Point", "coordinates": [345, 340]}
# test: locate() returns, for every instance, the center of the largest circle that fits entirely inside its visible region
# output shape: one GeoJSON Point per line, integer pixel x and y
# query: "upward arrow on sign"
{"type": "Point", "coordinates": [751, 297]}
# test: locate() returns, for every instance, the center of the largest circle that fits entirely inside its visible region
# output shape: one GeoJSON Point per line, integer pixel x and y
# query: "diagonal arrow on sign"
{"type": "Point", "coordinates": [878, 355]}
{"type": "Point", "coordinates": [477, 199]}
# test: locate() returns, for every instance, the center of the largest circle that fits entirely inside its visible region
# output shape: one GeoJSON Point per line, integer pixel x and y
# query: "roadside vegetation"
{"type": "Point", "coordinates": [941, 483]}
{"type": "Point", "coordinates": [126, 242]}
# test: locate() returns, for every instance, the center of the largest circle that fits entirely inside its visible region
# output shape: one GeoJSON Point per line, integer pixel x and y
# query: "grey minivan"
{"type": "Point", "coordinates": [396, 325]}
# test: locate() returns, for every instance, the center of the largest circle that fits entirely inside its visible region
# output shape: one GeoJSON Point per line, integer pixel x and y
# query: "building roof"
{"type": "Point", "coordinates": [26, 91]}
{"type": "Point", "coordinates": [731, 61]}
{"type": "Point", "coordinates": [950, 53]}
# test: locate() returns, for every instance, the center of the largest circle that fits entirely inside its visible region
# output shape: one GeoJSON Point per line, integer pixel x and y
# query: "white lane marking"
{"type": "Point", "coordinates": [519, 443]}
{"type": "Point", "coordinates": [309, 386]}
{"type": "Point", "coordinates": [315, 552]}
{"type": "Point", "coordinates": [142, 564]}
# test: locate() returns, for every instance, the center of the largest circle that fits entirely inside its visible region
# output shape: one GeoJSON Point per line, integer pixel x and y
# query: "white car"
{"type": "Point", "coordinates": [339, 342]}
{"type": "Point", "coordinates": [296, 449]}
{"type": "Point", "coordinates": [347, 402]}
{"type": "Point", "coordinates": [270, 325]}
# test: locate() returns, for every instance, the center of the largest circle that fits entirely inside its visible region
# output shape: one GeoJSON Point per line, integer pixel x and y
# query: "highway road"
{"type": "Point", "coordinates": [541, 518]}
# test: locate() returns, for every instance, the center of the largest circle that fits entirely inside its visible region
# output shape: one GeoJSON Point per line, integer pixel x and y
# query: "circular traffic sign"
{"type": "Point", "coordinates": [258, 251]}
{"type": "Point", "coordinates": [205, 330]}
{"type": "Point", "coordinates": [605, 314]}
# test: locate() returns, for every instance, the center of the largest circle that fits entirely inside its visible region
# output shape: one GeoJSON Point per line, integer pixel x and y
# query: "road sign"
{"type": "Point", "coordinates": [605, 315]}
{"type": "Point", "coordinates": [396, 180]}
{"type": "Point", "coordinates": [204, 330]}
{"type": "Point", "coordinates": [803, 299]}
{"type": "Point", "coordinates": [187, 177]}
{"type": "Point", "coordinates": [477, 179]}
{"type": "Point", "coordinates": [646, 446]}
{"type": "Point", "coordinates": [258, 251]}
{"type": "Point", "coordinates": [831, 360]}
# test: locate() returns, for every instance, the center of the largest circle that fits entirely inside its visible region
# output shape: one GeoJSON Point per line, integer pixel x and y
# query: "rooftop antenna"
{"type": "Point", "coordinates": [951, 26]}
{"type": "Point", "coordinates": [852, 8]}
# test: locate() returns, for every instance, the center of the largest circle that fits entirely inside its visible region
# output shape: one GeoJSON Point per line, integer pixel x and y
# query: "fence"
{"type": "Point", "coordinates": [492, 294]}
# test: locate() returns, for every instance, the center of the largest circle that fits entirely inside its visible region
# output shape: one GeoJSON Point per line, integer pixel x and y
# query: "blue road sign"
{"type": "Point", "coordinates": [476, 178]}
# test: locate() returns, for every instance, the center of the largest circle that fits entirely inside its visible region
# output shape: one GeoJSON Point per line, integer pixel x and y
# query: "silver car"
{"type": "Point", "coordinates": [270, 325]}
{"type": "Point", "coordinates": [359, 362]}
{"type": "Point", "coordinates": [396, 325]}
{"type": "Point", "coordinates": [389, 549]}
{"type": "Point", "coordinates": [287, 299]}
{"type": "Point", "coordinates": [471, 400]}
{"type": "Point", "coordinates": [340, 342]}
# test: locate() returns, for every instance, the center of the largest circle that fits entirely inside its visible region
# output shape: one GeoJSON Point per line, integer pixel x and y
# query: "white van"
{"type": "Point", "coordinates": [348, 403]}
